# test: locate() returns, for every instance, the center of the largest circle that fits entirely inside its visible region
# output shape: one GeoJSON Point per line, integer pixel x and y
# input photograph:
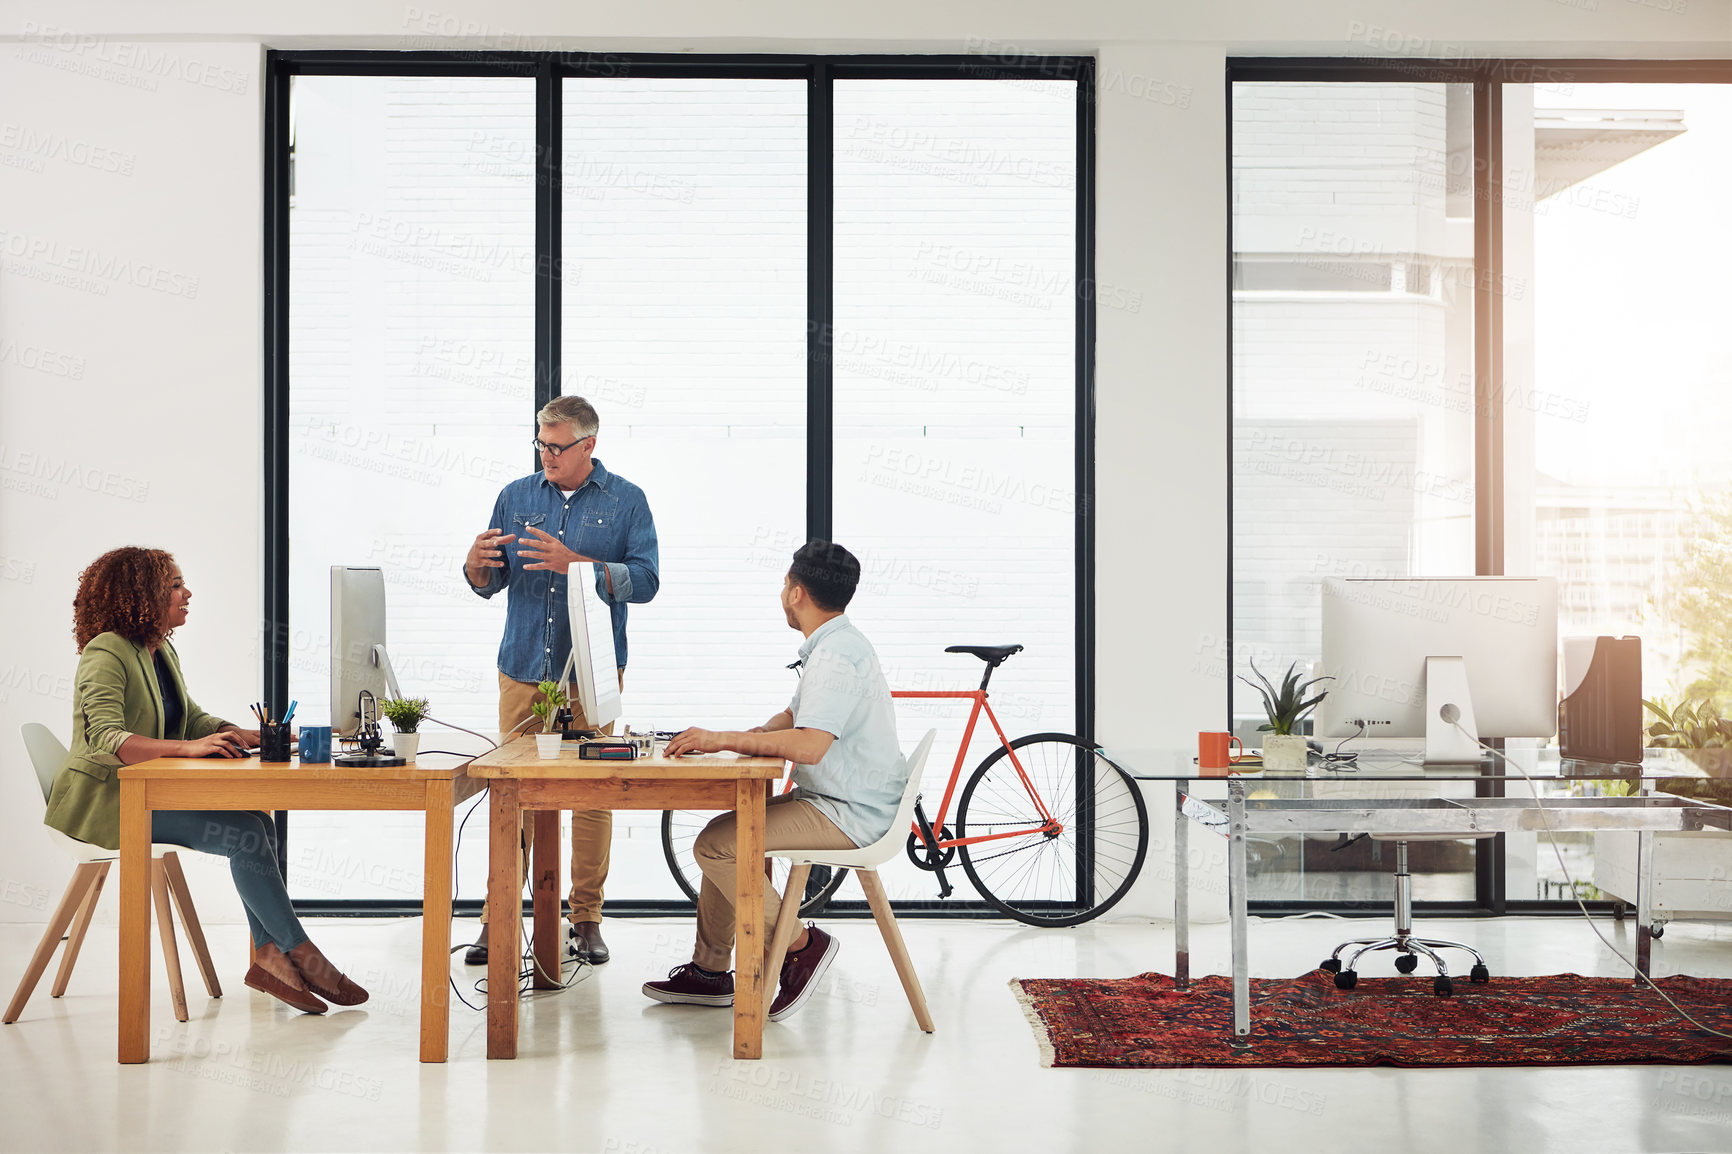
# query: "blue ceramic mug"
{"type": "Point", "coordinates": [315, 743]}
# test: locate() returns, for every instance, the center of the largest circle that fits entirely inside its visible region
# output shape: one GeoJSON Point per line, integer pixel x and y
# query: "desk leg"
{"type": "Point", "coordinates": [749, 996]}
{"type": "Point", "coordinates": [544, 892]}
{"type": "Point", "coordinates": [134, 923]}
{"type": "Point", "coordinates": [504, 917]}
{"type": "Point", "coordinates": [436, 924]}
{"type": "Point", "coordinates": [1644, 905]}
{"type": "Point", "coordinates": [1181, 890]}
{"type": "Point", "coordinates": [1236, 883]}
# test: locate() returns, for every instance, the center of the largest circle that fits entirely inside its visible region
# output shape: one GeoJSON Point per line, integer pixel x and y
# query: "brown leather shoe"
{"type": "Point", "coordinates": [586, 944]}
{"type": "Point", "coordinates": [323, 978]}
{"type": "Point", "coordinates": [265, 982]}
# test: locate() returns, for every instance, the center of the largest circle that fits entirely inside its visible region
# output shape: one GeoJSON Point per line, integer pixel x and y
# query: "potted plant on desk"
{"type": "Point", "coordinates": [547, 706]}
{"type": "Point", "coordinates": [1695, 727]}
{"type": "Point", "coordinates": [405, 715]}
{"type": "Point", "coordinates": [1284, 745]}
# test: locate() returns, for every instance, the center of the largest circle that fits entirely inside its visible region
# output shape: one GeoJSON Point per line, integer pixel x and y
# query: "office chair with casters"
{"type": "Point", "coordinates": [864, 863]}
{"type": "Point", "coordinates": [78, 903]}
{"type": "Point", "coordinates": [1408, 948]}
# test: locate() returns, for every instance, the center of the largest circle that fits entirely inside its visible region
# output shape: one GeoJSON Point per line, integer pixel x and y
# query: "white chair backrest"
{"type": "Point", "coordinates": [891, 843]}
{"type": "Point", "coordinates": [47, 755]}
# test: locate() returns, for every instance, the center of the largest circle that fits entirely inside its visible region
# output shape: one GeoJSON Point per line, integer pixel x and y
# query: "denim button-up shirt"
{"type": "Point", "coordinates": [607, 518]}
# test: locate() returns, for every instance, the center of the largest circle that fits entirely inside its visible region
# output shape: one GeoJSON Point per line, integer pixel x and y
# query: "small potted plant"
{"type": "Point", "coordinates": [1696, 728]}
{"type": "Point", "coordinates": [405, 715]}
{"type": "Point", "coordinates": [1284, 745]}
{"type": "Point", "coordinates": [547, 705]}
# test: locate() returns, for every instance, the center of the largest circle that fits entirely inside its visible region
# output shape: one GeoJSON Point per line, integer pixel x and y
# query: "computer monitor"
{"type": "Point", "coordinates": [1402, 649]}
{"type": "Point", "coordinates": [592, 667]}
{"type": "Point", "coordinates": [359, 660]}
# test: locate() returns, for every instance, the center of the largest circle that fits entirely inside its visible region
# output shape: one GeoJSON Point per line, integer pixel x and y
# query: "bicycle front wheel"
{"type": "Point", "coordinates": [681, 827]}
{"type": "Point", "coordinates": [1052, 875]}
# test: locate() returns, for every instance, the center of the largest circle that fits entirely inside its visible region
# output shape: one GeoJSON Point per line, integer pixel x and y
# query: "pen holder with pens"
{"type": "Point", "coordinates": [274, 741]}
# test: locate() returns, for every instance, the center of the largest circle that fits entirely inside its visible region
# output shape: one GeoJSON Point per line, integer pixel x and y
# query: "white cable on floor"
{"type": "Point", "coordinates": [1452, 716]}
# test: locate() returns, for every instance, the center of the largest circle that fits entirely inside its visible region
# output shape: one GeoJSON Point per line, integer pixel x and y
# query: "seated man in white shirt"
{"type": "Point", "coordinates": [849, 775]}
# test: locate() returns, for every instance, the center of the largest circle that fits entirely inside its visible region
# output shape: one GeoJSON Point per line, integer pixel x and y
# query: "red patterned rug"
{"type": "Point", "coordinates": [1560, 1019]}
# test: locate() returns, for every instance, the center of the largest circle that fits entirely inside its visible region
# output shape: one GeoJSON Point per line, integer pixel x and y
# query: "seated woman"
{"type": "Point", "coordinates": [130, 704]}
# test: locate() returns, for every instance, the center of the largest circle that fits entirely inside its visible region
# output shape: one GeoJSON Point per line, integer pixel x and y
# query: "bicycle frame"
{"type": "Point", "coordinates": [978, 696]}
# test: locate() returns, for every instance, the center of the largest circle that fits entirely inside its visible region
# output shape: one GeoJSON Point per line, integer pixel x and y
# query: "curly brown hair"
{"type": "Point", "coordinates": [124, 591]}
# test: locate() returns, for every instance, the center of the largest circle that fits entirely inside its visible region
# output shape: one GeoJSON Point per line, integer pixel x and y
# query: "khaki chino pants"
{"type": "Point", "coordinates": [591, 829]}
{"type": "Point", "coordinates": [789, 823]}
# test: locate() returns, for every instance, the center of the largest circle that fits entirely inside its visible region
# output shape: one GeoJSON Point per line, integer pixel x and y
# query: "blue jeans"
{"type": "Point", "coordinates": [248, 839]}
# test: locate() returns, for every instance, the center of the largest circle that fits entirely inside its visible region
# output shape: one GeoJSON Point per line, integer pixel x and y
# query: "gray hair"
{"type": "Point", "coordinates": [570, 411]}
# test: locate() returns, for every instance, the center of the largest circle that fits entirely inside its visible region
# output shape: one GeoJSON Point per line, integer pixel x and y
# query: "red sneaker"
{"type": "Point", "coordinates": [685, 985]}
{"type": "Point", "coordinates": [801, 972]}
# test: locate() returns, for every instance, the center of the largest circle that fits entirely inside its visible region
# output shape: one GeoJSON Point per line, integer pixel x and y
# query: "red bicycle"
{"type": "Point", "coordinates": [1048, 828]}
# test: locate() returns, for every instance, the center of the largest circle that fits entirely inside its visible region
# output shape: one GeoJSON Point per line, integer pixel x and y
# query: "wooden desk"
{"type": "Point", "coordinates": [520, 781]}
{"type": "Point", "coordinates": [204, 783]}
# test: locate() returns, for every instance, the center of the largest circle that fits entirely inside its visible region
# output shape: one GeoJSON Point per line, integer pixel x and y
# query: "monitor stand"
{"type": "Point", "coordinates": [1445, 745]}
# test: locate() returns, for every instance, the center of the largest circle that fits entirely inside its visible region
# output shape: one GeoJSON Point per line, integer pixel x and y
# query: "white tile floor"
{"type": "Point", "coordinates": [602, 1068]}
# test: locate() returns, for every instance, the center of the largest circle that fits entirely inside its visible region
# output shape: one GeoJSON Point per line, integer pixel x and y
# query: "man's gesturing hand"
{"type": "Point", "coordinates": [549, 552]}
{"type": "Point", "coordinates": [486, 553]}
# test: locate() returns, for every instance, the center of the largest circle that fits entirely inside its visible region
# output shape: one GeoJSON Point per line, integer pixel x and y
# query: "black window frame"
{"type": "Point", "coordinates": [548, 69]}
{"type": "Point", "coordinates": [1487, 78]}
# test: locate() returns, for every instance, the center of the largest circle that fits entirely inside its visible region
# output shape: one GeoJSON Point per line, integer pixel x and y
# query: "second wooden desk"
{"type": "Point", "coordinates": [520, 781]}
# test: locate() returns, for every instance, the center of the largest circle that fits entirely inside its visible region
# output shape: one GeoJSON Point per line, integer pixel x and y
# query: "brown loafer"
{"type": "Point", "coordinates": [324, 979]}
{"type": "Point", "coordinates": [265, 982]}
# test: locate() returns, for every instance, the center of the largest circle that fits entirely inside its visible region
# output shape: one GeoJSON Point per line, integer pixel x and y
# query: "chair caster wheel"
{"type": "Point", "coordinates": [1442, 986]}
{"type": "Point", "coordinates": [1346, 980]}
{"type": "Point", "coordinates": [1407, 963]}
{"type": "Point", "coordinates": [1330, 965]}
{"type": "Point", "coordinates": [1479, 974]}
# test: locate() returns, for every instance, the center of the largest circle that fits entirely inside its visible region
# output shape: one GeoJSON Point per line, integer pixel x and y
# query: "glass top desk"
{"type": "Point", "coordinates": [1364, 800]}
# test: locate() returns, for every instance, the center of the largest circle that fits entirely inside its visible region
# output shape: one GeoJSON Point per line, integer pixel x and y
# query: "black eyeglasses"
{"type": "Point", "coordinates": [556, 450]}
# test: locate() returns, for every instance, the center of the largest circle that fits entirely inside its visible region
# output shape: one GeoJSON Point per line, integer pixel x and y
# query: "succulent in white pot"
{"type": "Point", "coordinates": [1284, 747]}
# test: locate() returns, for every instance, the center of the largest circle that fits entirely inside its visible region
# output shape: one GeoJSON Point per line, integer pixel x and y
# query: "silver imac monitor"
{"type": "Point", "coordinates": [592, 667]}
{"type": "Point", "coordinates": [1401, 650]}
{"type": "Point", "coordinates": [359, 660]}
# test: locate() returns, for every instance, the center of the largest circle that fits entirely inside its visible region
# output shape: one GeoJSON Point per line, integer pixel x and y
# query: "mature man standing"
{"type": "Point", "coordinates": [573, 512]}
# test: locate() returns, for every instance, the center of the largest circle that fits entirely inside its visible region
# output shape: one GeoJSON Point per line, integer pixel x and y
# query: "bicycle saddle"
{"type": "Point", "coordinates": [993, 655]}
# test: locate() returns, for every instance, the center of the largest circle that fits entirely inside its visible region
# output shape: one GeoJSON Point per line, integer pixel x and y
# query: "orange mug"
{"type": "Point", "coordinates": [1212, 750]}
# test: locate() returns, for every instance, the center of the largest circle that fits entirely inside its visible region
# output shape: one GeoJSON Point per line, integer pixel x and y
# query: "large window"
{"type": "Point", "coordinates": [1478, 328]}
{"type": "Point", "coordinates": [955, 394]}
{"type": "Point", "coordinates": [1352, 392]}
{"type": "Point", "coordinates": [412, 265]}
{"type": "Point", "coordinates": [1615, 482]}
{"type": "Point", "coordinates": [684, 322]}
{"type": "Point", "coordinates": [875, 341]}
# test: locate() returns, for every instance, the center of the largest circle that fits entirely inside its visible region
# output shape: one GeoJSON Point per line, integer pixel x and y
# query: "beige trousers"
{"type": "Point", "coordinates": [789, 823]}
{"type": "Point", "coordinates": [591, 829]}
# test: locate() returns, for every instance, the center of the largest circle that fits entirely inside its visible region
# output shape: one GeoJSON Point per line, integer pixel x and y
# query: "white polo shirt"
{"type": "Point", "coordinates": [858, 783]}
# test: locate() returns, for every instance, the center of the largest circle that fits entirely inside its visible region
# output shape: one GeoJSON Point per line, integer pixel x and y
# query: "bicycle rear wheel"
{"type": "Point", "coordinates": [681, 827]}
{"type": "Point", "coordinates": [1062, 878]}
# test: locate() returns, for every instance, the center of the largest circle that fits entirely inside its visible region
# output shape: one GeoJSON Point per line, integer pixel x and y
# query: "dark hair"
{"type": "Point", "coordinates": [124, 591]}
{"type": "Point", "coordinates": [828, 572]}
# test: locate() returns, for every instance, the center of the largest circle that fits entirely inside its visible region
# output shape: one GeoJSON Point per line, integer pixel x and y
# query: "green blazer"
{"type": "Point", "coordinates": [115, 695]}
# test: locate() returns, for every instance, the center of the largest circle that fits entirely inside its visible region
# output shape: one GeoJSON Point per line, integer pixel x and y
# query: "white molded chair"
{"type": "Point", "coordinates": [864, 862]}
{"type": "Point", "coordinates": [78, 903]}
